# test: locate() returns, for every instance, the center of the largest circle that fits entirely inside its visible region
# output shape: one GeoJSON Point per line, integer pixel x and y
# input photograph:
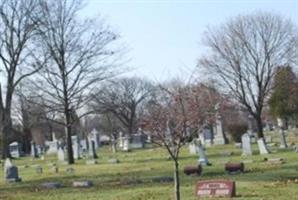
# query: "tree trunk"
{"type": "Point", "coordinates": [5, 143]}
{"type": "Point", "coordinates": [6, 130]}
{"type": "Point", "coordinates": [27, 141]}
{"type": "Point", "coordinates": [68, 138]}
{"type": "Point", "coordinates": [260, 127]}
{"type": "Point", "coordinates": [176, 180]}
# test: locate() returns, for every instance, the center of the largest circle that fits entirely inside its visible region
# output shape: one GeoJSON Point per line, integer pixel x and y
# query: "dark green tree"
{"type": "Point", "coordinates": [283, 101]}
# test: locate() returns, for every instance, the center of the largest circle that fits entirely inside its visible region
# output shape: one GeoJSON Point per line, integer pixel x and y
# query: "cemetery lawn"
{"type": "Point", "coordinates": [131, 179]}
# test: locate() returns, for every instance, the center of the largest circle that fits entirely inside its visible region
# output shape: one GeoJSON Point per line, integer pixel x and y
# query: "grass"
{"type": "Point", "coordinates": [131, 178]}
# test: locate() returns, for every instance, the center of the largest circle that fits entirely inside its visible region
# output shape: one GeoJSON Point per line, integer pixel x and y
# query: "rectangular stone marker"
{"type": "Point", "coordinates": [216, 188]}
{"type": "Point", "coordinates": [60, 154]}
{"type": "Point", "coordinates": [246, 145]}
{"type": "Point", "coordinates": [75, 147]}
{"type": "Point", "coordinates": [14, 149]}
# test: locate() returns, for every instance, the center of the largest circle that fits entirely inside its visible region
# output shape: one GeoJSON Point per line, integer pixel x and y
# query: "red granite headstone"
{"type": "Point", "coordinates": [216, 188]}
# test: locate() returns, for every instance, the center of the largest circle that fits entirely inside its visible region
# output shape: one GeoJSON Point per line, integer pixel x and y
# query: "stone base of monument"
{"type": "Point", "coordinates": [82, 184]}
{"type": "Point", "coordinates": [234, 168]}
{"type": "Point", "coordinates": [193, 170]}
{"type": "Point", "coordinates": [216, 188]}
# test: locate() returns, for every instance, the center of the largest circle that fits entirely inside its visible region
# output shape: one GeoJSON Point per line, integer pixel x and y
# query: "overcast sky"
{"type": "Point", "coordinates": [164, 36]}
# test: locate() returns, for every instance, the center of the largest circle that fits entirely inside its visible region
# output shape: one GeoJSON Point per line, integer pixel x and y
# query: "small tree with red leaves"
{"type": "Point", "coordinates": [176, 113]}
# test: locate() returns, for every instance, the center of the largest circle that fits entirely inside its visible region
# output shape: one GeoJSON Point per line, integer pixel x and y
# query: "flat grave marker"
{"type": "Point", "coordinates": [216, 188]}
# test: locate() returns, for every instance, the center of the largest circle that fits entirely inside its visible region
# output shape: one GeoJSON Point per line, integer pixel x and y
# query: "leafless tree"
{"type": "Point", "coordinates": [244, 53]}
{"type": "Point", "coordinates": [80, 55]}
{"type": "Point", "coordinates": [174, 116]}
{"type": "Point", "coordinates": [124, 99]}
{"type": "Point", "coordinates": [17, 32]}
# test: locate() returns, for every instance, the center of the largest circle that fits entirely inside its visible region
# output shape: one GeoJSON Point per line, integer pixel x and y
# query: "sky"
{"type": "Point", "coordinates": [164, 37]}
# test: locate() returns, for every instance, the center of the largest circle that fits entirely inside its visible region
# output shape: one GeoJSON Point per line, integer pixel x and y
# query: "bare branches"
{"type": "Point", "coordinates": [245, 53]}
{"type": "Point", "coordinates": [124, 98]}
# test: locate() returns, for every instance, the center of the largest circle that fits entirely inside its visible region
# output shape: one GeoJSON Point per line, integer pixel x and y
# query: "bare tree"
{"type": "Point", "coordinates": [174, 117]}
{"type": "Point", "coordinates": [124, 99]}
{"type": "Point", "coordinates": [80, 55]}
{"type": "Point", "coordinates": [17, 31]}
{"type": "Point", "coordinates": [244, 54]}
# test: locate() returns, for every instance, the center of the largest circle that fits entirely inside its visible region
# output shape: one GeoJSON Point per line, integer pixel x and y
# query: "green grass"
{"type": "Point", "coordinates": [131, 178]}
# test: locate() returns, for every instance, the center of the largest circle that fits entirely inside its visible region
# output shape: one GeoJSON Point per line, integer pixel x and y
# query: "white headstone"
{"type": "Point", "coordinates": [14, 149]}
{"type": "Point", "coordinates": [52, 147]}
{"type": "Point", "coordinates": [60, 154]}
{"type": "Point", "coordinates": [246, 145]}
{"type": "Point", "coordinates": [75, 147]}
{"type": "Point", "coordinates": [7, 164]}
{"type": "Point", "coordinates": [126, 144]}
{"type": "Point", "coordinates": [262, 147]}
{"type": "Point", "coordinates": [121, 139]}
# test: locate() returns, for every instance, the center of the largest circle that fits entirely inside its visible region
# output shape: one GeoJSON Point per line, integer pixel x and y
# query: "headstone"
{"type": "Point", "coordinates": [202, 156]}
{"type": "Point", "coordinates": [246, 145]}
{"type": "Point", "coordinates": [206, 137]}
{"type": "Point", "coordinates": [60, 154]}
{"type": "Point", "coordinates": [216, 188]}
{"type": "Point", "coordinates": [82, 184]}
{"type": "Point", "coordinates": [121, 141]}
{"type": "Point", "coordinates": [11, 172]}
{"type": "Point", "coordinates": [126, 146]}
{"type": "Point", "coordinates": [283, 142]}
{"type": "Point", "coordinates": [75, 147]}
{"type": "Point", "coordinates": [219, 137]}
{"type": "Point", "coordinates": [137, 141]}
{"type": "Point", "coordinates": [52, 147]}
{"type": "Point", "coordinates": [34, 152]}
{"type": "Point", "coordinates": [276, 161]}
{"type": "Point", "coordinates": [14, 149]}
{"type": "Point", "coordinates": [262, 146]}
